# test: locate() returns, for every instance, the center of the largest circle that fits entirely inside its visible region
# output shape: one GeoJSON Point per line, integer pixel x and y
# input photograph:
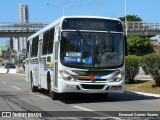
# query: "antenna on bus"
{"type": "Point", "coordinates": [62, 6]}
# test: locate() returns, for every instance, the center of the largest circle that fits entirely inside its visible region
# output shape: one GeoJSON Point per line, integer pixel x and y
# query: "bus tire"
{"type": "Point", "coordinates": [33, 88]}
{"type": "Point", "coordinates": [52, 94]}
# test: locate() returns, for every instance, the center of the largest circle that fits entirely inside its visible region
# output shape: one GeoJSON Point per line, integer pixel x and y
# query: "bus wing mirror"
{"type": "Point", "coordinates": [125, 44]}
{"type": "Point", "coordinates": [59, 35]}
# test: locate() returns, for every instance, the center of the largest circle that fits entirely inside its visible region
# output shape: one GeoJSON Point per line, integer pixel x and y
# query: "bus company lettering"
{"type": "Point", "coordinates": [74, 54]}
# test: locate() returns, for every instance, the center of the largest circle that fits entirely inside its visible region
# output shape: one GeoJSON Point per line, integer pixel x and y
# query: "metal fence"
{"type": "Point", "coordinates": [131, 26]}
{"type": "Point", "coordinates": [22, 26]}
{"type": "Point", "coordinates": [140, 26]}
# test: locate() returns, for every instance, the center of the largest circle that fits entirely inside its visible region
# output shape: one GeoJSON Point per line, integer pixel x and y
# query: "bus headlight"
{"type": "Point", "coordinates": [117, 78]}
{"type": "Point", "coordinates": [65, 75]}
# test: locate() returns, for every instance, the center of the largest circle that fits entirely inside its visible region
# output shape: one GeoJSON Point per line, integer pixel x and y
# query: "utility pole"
{"type": "Point", "coordinates": [125, 13]}
{"type": "Point", "coordinates": [62, 6]}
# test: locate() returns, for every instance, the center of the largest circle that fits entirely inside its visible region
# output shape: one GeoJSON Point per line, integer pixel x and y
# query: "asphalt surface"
{"type": "Point", "coordinates": [15, 95]}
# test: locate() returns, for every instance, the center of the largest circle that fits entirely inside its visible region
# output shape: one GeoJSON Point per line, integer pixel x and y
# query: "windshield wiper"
{"type": "Point", "coordinates": [81, 36]}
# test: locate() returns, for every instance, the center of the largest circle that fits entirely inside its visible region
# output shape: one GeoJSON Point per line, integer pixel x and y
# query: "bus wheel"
{"type": "Point", "coordinates": [53, 95]}
{"type": "Point", "coordinates": [33, 88]}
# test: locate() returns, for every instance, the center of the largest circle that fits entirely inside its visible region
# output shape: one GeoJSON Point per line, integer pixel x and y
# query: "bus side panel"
{"type": "Point", "coordinates": [34, 67]}
{"type": "Point", "coordinates": [27, 70]}
{"type": "Point", "coordinates": [43, 73]}
{"type": "Point", "coordinates": [46, 68]}
{"type": "Point", "coordinates": [44, 80]}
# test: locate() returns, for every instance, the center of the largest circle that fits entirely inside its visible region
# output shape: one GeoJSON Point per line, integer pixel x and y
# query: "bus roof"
{"type": "Point", "coordinates": [58, 21]}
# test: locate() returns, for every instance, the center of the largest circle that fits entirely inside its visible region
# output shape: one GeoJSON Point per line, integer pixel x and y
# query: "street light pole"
{"type": "Point", "coordinates": [62, 6]}
{"type": "Point", "coordinates": [125, 13]}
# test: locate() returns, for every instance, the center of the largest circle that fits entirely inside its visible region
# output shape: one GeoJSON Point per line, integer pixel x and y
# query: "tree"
{"type": "Point", "coordinates": [132, 68]}
{"type": "Point", "coordinates": [152, 66]}
{"type": "Point", "coordinates": [139, 46]}
{"type": "Point", "coordinates": [131, 18]}
{"type": "Point", "coordinates": [4, 52]}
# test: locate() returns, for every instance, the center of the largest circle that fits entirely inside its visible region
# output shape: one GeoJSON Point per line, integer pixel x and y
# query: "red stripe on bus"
{"type": "Point", "coordinates": [93, 75]}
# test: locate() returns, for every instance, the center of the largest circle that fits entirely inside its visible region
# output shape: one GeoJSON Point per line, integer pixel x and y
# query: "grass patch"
{"type": "Point", "coordinates": [143, 86]}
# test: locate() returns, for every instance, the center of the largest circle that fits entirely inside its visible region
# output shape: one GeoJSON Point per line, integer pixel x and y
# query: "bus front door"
{"type": "Point", "coordinates": [39, 63]}
{"type": "Point", "coordinates": [56, 51]}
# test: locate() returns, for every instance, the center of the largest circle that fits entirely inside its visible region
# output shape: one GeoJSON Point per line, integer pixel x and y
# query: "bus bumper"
{"type": "Point", "coordinates": [90, 87]}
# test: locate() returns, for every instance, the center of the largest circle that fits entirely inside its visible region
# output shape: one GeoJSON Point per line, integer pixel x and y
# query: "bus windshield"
{"type": "Point", "coordinates": [91, 49]}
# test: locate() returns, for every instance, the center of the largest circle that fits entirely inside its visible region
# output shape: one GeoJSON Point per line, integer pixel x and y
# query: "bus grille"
{"type": "Point", "coordinates": [90, 80]}
{"type": "Point", "coordinates": [88, 86]}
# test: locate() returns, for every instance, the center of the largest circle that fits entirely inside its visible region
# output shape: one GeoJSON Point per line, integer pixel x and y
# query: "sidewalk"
{"type": "Point", "coordinates": [142, 76]}
{"type": "Point", "coordinates": [5, 70]}
{"type": "Point", "coordinates": [20, 70]}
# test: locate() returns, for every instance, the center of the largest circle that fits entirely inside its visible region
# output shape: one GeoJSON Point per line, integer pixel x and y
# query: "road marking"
{"type": "Point", "coordinates": [4, 82]}
{"type": "Point", "coordinates": [16, 87]}
{"type": "Point", "coordinates": [146, 94]}
{"type": "Point", "coordinates": [96, 112]}
{"type": "Point", "coordinates": [38, 95]}
{"type": "Point", "coordinates": [82, 108]}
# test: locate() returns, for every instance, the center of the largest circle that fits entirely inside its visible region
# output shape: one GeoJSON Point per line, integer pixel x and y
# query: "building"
{"type": "Point", "coordinates": [7, 43]}
{"type": "Point", "coordinates": [16, 44]}
{"type": "Point", "coordinates": [19, 44]}
{"type": "Point", "coordinates": [23, 13]}
{"type": "Point", "coordinates": [11, 43]}
{"type": "Point", "coordinates": [23, 18]}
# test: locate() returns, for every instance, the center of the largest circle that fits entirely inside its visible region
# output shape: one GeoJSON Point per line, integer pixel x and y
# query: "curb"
{"type": "Point", "coordinates": [145, 94]}
{"type": "Point", "coordinates": [20, 73]}
{"type": "Point", "coordinates": [143, 78]}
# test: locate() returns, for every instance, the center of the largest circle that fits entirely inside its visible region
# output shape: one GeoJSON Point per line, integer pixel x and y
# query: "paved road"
{"type": "Point", "coordinates": [15, 95]}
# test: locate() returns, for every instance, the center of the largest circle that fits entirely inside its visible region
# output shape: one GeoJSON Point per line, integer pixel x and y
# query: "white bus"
{"type": "Point", "coordinates": [77, 54]}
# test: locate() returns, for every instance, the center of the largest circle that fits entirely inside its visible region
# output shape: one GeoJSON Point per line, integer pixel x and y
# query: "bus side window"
{"type": "Point", "coordinates": [51, 41]}
{"type": "Point", "coordinates": [27, 51]}
{"type": "Point", "coordinates": [34, 47]}
{"type": "Point", "coordinates": [45, 42]}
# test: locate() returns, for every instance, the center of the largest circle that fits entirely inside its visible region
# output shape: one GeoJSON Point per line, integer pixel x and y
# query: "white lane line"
{"type": "Point", "coordinates": [146, 94]}
{"type": "Point", "coordinates": [96, 112]}
{"type": "Point", "coordinates": [16, 87]}
{"type": "Point", "coordinates": [4, 82]}
{"type": "Point", "coordinates": [38, 95]}
{"type": "Point", "coordinates": [82, 108]}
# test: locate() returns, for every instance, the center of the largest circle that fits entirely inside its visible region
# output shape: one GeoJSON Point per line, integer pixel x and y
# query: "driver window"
{"type": "Point", "coordinates": [106, 45]}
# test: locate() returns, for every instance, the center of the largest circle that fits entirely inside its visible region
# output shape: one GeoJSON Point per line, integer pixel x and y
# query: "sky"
{"type": "Point", "coordinates": [39, 11]}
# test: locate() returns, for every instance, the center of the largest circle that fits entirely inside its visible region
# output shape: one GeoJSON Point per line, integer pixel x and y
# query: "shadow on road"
{"type": "Point", "coordinates": [112, 97]}
{"type": "Point", "coordinates": [73, 98]}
